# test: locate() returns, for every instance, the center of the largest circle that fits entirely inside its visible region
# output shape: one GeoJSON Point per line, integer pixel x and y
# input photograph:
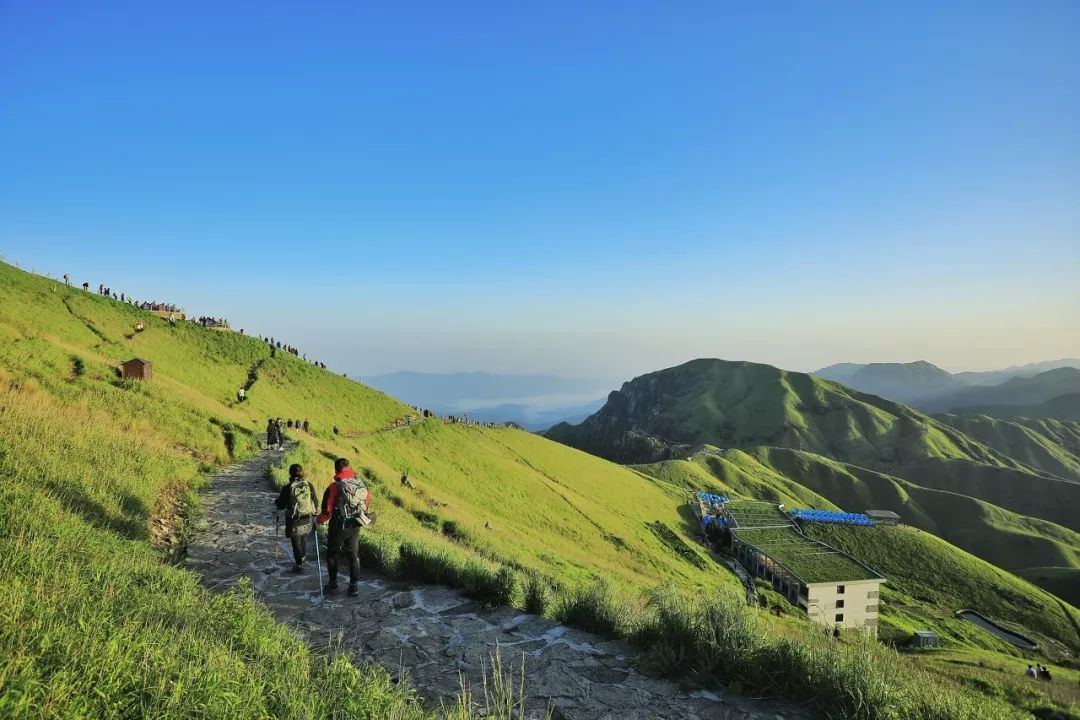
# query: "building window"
{"type": "Point", "coordinates": [872, 595]}
{"type": "Point", "coordinates": [839, 604]}
{"type": "Point", "coordinates": [839, 589]}
{"type": "Point", "coordinates": [871, 608]}
{"type": "Point", "coordinates": [839, 617]}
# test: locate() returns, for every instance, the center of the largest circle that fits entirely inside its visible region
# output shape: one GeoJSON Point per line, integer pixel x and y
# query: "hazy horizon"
{"type": "Point", "coordinates": [592, 192]}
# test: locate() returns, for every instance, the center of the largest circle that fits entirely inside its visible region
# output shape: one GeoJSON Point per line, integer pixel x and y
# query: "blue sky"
{"type": "Point", "coordinates": [592, 189]}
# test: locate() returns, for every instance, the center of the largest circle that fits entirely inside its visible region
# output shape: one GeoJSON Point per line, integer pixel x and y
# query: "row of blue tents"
{"type": "Point", "coordinates": [713, 501]}
{"type": "Point", "coordinates": [830, 516]}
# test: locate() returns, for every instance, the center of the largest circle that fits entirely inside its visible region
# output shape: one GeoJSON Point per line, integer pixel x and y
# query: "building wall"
{"type": "Point", "coordinates": [856, 601]}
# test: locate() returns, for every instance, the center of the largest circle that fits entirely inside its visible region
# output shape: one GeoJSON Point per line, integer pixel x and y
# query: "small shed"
{"type": "Point", "coordinates": [883, 517]}
{"type": "Point", "coordinates": [925, 639]}
{"type": "Point", "coordinates": [137, 369]}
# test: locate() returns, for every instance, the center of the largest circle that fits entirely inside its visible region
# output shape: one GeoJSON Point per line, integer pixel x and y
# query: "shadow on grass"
{"type": "Point", "coordinates": [130, 522]}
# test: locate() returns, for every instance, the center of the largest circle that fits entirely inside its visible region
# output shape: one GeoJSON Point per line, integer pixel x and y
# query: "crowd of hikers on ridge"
{"type": "Point", "coordinates": [177, 313]}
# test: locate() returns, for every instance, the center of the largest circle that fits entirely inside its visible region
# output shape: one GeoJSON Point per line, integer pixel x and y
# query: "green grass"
{"type": "Point", "coordinates": [1006, 538]}
{"type": "Point", "coordinates": [93, 621]}
{"type": "Point", "coordinates": [808, 560]}
{"type": "Point", "coordinates": [531, 522]}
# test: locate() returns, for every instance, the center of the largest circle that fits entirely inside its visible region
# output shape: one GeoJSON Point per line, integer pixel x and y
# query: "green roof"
{"type": "Point", "coordinates": [809, 560]}
{"type": "Point", "coordinates": [750, 514]}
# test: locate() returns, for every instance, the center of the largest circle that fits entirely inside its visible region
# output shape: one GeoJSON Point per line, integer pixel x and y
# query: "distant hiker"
{"type": "Point", "coordinates": [296, 424]}
{"type": "Point", "coordinates": [344, 504]}
{"type": "Point", "coordinates": [288, 423]}
{"type": "Point", "coordinates": [241, 394]}
{"type": "Point", "coordinates": [300, 504]}
{"type": "Point", "coordinates": [306, 426]}
{"type": "Point", "coordinates": [336, 431]}
{"type": "Point", "coordinates": [273, 435]}
{"type": "Point", "coordinates": [67, 279]}
{"type": "Point", "coordinates": [86, 286]}
{"type": "Point", "coordinates": [1030, 672]}
{"type": "Point", "coordinates": [836, 632]}
{"type": "Point", "coordinates": [405, 482]}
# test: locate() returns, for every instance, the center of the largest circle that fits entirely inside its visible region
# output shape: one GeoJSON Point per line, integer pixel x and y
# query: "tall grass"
{"type": "Point", "coordinates": [85, 458]}
{"type": "Point", "coordinates": [701, 642]}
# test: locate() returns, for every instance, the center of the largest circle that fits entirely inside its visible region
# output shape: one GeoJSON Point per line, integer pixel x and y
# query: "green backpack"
{"type": "Point", "coordinates": [302, 501]}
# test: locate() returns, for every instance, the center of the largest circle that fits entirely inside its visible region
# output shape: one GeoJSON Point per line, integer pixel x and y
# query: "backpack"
{"type": "Point", "coordinates": [353, 499]}
{"type": "Point", "coordinates": [301, 501]}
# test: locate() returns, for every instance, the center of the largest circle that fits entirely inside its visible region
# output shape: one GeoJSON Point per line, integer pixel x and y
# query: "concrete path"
{"type": "Point", "coordinates": [434, 634]}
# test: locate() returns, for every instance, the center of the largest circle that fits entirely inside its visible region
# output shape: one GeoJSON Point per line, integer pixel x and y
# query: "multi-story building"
{"type": "Point", "coordinates": [829, 585]}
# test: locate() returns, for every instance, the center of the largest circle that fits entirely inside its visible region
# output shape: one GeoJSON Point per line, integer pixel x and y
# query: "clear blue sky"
{"type": "Point", "coordinates": [592, 189]}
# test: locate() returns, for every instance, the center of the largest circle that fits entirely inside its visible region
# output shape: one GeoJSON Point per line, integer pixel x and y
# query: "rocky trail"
{"type": "Point", "coordinates": [435, 635]}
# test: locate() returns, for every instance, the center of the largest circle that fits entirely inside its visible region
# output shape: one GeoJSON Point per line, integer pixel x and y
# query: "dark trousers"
{"type": "Point", "coordinates": [343, 540]}
{"type": "Point", "coordinates": [298, 533]}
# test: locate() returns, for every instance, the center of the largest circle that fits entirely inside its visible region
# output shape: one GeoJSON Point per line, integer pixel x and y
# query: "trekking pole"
{"type": "Point", "coordinates": [277, 523]}
{"type": "Point", "coordinates": [318, 562]}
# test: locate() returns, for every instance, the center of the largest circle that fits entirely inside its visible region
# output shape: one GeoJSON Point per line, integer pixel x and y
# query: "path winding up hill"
{"type": "Point", "coordinates": [435, 634]}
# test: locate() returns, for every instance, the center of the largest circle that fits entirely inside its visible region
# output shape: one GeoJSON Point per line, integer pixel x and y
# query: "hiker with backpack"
{"type": "Point", "coordinates": [344, 505]}
{"type": "Point", "coordinates": [299, 502]}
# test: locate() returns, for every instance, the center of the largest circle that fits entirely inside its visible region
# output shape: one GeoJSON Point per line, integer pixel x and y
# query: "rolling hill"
{"type": "Point", "coordinates": [1036, 386]}
{"type": "Point", "coordinates": [742, 404]}
{"type": "Point", "coordinates": [1032, 390]}
{"type": "Point", "coordinates": [1004, 492]}
{"type": "Point", "coordinates": [111, 468]}
{"type": "Point", "coordinates": [910, 383]}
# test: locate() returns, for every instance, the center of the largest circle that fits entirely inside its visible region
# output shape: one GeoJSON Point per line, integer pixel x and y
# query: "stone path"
{"type": "Point", "coordinates": [434, 634]}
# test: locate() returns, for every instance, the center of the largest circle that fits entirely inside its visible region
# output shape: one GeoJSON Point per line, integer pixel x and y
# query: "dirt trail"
{"type": "Point", "coordinates": [434, 633]}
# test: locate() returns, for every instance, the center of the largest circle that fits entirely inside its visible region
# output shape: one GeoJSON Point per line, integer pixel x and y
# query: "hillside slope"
{"type": "Point", "coordinates": [910, 383]}
{"type": "Point", "coordinates": [742, 404]}
{"type": "Point", "coordinates": [1032, 390]}
{"type": "Point", "coordinates": [109, 467]}
{"type": "Point", "coordinates": [1061, 407]}
{"type": "Point", "coordinates": [1006, 538]}
{"type": "Point", "coordinates": [1008, 499]}
{"type": "Point", "coordinates": [1051, 446]}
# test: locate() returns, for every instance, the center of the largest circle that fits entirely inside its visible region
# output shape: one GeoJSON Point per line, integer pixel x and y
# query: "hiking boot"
{"type": "Point", "coordinates": [330, 588]}
{"type": "Point", "coordinates": [354, 589]}
{"type": "Point", "coordinates": [298, 568]}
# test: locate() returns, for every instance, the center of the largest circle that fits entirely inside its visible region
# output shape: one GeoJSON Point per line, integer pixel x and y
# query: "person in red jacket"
{"type": "Point", "coordinates": [342, 505]}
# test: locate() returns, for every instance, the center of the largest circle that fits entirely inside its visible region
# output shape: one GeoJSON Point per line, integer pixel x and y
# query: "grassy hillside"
{"type": "Point", "coordinates": [508, 516]}
{"type": "Point", "coordinates": [1015, 391]}
{"type": "Point", "coordinates": [909, 383]}
{"type": "Point", "coordinates": [1051, 446]}
{"type": "Point", "coordinates": [742, 405]}
{"type": "Point", "coordinates": [960, 581]}
{"type": "Point", "coordinates": [1006, 494]}
{"type": "Point", "coordinates": [1005, 538]}
{"type": "Point", "coordinates": [93, 623]}
{"type": "Point", "coordinates": [1063, 407]}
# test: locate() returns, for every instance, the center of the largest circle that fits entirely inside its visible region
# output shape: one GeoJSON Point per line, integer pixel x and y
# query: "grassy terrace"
{"type": "Point", "coordinates": [810, 560]}
{"type": "Point", "coordinates": [752, 514]}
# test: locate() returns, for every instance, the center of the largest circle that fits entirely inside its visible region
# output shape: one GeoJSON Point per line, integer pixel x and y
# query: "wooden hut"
{"type": "Point", "coordinates": [137, 369]}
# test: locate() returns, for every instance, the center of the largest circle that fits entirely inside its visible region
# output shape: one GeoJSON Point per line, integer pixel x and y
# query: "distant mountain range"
{"type": "Point", "coordinates": [1002, 489]}
{"type": "Point", "coordinates": [928, 387]}
{"type": "Point", "coordinates": [534, 402]}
